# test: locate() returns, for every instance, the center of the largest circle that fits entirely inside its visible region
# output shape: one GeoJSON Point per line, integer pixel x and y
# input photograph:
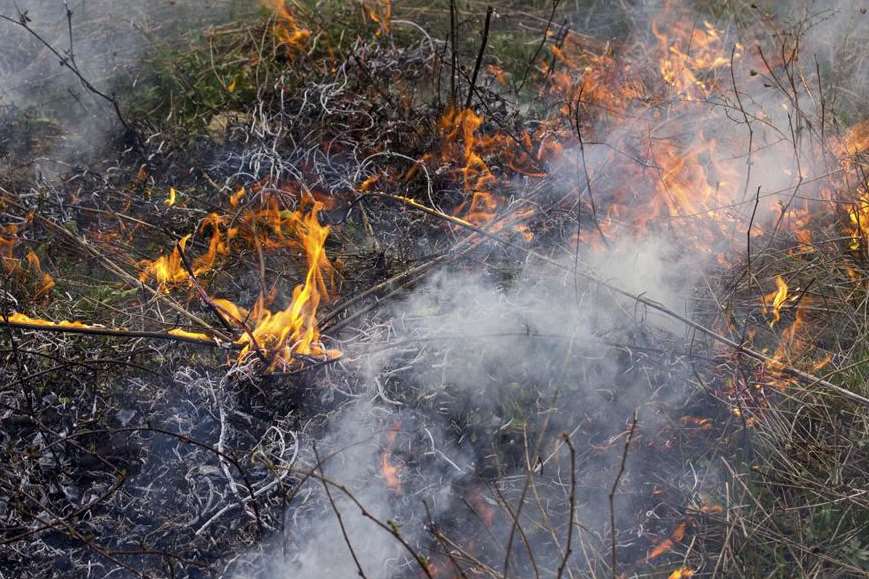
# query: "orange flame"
{"type": "Point", "coordinates": [464, 123]}
{"type": "Point", "coordinates": [855, 140]}
{"type": "Point", "coordinates": [791, 345]}
{"type": "Point", "coordinates": [681, 573]}
{"type": "Point", "coordinates": [216, 245]}
{"type": "Point", "coordinates": [462, 143]}
{"type": "Point", "coordinates": [46, 282]}
{"type": "Point", "coordinates": [689, 51]}
{"type": "Point", "coordinates": [481, 507]}
{"type": "Point", "coordinates": [236, 197]}
{"type": "Point", "coordinates": [8, 241]}
{"type": "Point", "coordinates": [287, 30]}
{"type": "Point", "coordinates": [379, 12]}
{"type": "Point", "coordinates": [11, 265]}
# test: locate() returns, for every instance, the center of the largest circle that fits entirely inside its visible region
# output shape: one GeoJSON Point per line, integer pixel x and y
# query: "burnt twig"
{"type": "Point", "coordinates": [555, 4]}
{"type": "Point", "coordinates": [68, 62]}
{"type": "Point", "coordinates": [612, 494]}
{"type": "Point", "coordinates": [479, 60]}
{"type": "Point", "coordinates": [569, 547]}
{"type": "Point", "coordinates": [359, 569]}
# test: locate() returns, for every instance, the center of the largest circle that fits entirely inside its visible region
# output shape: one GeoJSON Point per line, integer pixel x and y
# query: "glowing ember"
{"type": "Point", "coordinates": [236, 197]}
{"type": "Point", "coordinates": [390, 471]}
{"type": "Point", "coordinates": [667, 544]}
{"type": "Point", "coordinates": [697, 422]}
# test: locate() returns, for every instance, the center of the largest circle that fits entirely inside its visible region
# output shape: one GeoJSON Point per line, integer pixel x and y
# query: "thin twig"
{"type": "Point", "coordinates": [569, 547]}
{"type": "Point", "coordinates": [534, 56]}
{"type": "Point", "coordinates": [479, 60]}
{"type": "Point", "coordinates": [118, 333]}
{"type": "Point", "coordinates": [69, 62]}
{"type": "Point", "coordinates": [359, 569]}
{"type": "Point", "coordinates": [389, 526]}
{"type": "Point", "coordinates": [612, 495]}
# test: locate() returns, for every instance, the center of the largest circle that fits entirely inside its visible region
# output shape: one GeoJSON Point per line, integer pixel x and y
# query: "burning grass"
{"type": "Point", "coordinates": [414, 304]}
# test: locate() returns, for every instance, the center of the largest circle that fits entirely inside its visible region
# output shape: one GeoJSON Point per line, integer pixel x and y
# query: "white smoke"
{"type": "Point", "coordinates": [496, 355]}
{"type": "Point", "coordinates": [105, 40]}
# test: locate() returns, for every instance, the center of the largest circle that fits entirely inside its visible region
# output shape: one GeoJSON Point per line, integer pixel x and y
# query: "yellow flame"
{"type": "Point", "coordinates": [229, 311]}
{"type": "Point", "coordinates": [166, 269]}
{"type": "Point", "coordinates": [192, 335]}
{"type": "Point", "coordinates": [778, 298]}
{"type": "Point", "coordinates": [24, 319]}
{"type": "Point", "coordinates": [294, 330]}
{"type": "Point", "coordinates": [170, 200]}
{"type": "Point", "coordinates": [858, 213]}
{"type": "Point", "coordinates": [169, 270]}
